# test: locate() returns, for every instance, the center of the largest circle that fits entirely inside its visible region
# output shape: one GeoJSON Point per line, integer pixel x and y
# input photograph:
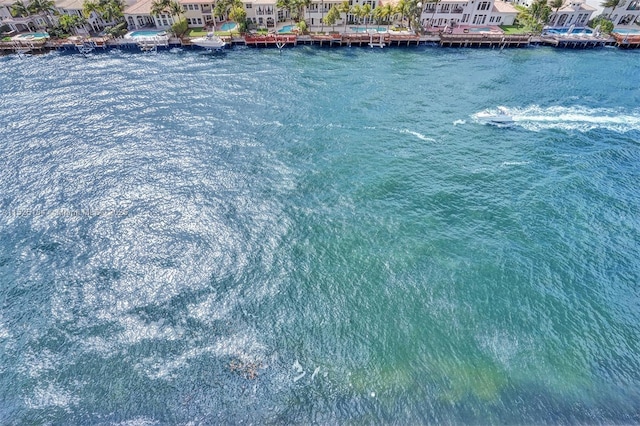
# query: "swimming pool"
{"type": "Point", "coordinates": [480, 30]}
{"type": "Point", "coordinates": [228, 26]}
{"type": "Point", "coordinates": [365, 29]}
{"type": "Point", "coordinates": [145, 33]}
{"type": "Point", "coordinates": [565, 30]}
{"type": "Point", "coordinates": [31, 36]}
{"type": "Point", "coordinates": [626, 31]}
{"type": "Point", "coordinates": [286, 29]}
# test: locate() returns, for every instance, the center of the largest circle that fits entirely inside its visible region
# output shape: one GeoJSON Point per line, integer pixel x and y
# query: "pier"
{"type": "Point", "coordinates": [626, 41]}
{"type": "Point", "coordinates": [484, 40]}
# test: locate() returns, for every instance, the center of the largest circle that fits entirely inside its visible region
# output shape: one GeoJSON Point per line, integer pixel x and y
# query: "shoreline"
{"type": "Point", "coordinates": [372, 40]}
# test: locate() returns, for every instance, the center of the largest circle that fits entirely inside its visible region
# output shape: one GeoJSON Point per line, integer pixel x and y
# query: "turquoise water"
{"type": "Point", "coordinates": [181, 242]}
{"type": "Point", "coordinates": [228, 26]}
{"type": "Point", "coordinates": [365, 29]}
{"type": "Point", "coordinates": [480, 30]}
{"type": "Point", "coordinates": [146, 33]}
{"type": "Point", "coordinates": [565, 30]}
{"type": "Point", "coordinates": [626, 31]}
{"type": "Point", "coordinates": [286, 29]}
{"type": "Point", "coordinates": [34, 35]}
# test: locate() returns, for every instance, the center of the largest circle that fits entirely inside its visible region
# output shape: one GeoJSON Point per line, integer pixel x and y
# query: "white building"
{"type": "Point", "coordinates": [468, 12]}
{"type": "Point", "coordinates": [264, 13]}
{"type": "Point", "coordinates": [74, 8]}
{"type": "Point", "coordinates": [20, 24]}
{"type": "Point", "coordinates": [574, 12]}
{"type": "Point", "coordinates": [627, 13]}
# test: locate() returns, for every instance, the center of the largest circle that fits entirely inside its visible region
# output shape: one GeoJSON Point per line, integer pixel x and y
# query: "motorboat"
{"type": "Point", "coordinates": [210, 41]}
{"type": "Point", "coordinates": [499, 116]}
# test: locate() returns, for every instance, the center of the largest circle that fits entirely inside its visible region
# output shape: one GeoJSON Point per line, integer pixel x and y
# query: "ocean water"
{"type": "Point", "coordinates": [320, 235]}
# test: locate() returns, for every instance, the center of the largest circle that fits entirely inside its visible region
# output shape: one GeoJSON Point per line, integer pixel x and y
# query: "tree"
{"type": "Point", "coordinates": [345, 8]}
{"type": "Point", "coordinates": [606, 26]}
{"type": "Point", "coordinates": [166, 7]}
{"type": "Point", "coordinates": [287, 5]}
{"type": "Point", "coordinates": [69, 23]}
{"type": "Point", "coordinates": [302, 26]}
{"type": "Point", "coordinates": [611, 4]}
{"type": "Point", "coordinates": [159, 7]}
{"type": "Point", "coordinates": [414, 10]}
{"type": "Point", "coordinates": [402, 8]}
{"type": "Point", "coordinates": [556, 5]}
{"type": "Point", "coordinates": [110, 11]}
{"type": "Point", "coordinates": [19, 9]}
{"type": "Point", "coordinates": [239, 16]}
{"type": "Point", "coordinates": [42, 7]}
{"type": "Point", "coordinates": [176, 8]}
{"type": "Point", "coordinates": [435, 7]}
{"type": "Point", "coordinates": [331, 17]}
{"type": "Point", "coordinates": [302, 4]}
{"type": "Point", "coordinates": [180, 27]}
{"type": "Point", "coordinates": [356, 10]}
{"type": "Point", "coordinates": [365, 11]}
{"type": "Point", "coordinates": [535, 16]}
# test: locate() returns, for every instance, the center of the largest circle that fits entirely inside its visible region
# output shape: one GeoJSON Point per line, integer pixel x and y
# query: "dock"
{"type": "Point", "coordinates": [626, 41]}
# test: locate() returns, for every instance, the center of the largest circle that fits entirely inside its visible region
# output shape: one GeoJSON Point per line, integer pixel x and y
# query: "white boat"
{"type": "Point", "coordinates": [210, 41]}
{"type": "Point", "coordinates": [499, 116]}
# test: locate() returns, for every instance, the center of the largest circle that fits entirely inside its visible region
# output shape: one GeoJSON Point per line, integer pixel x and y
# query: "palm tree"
{"type": "Point", "coordinates": [365, 11]}
{"type": "Point", "coordinates": [159, 7]}
{"type": "Point", "coordinates": [42, 7]}
{"type": "Point", "coordinates": [303, 4]}
{"type": "Point", "coordinates": [109, 10]}
{"type": "Point", "coordinates": [556, 5]}
{"type": "Point", "coordinates": [611, 4]}
{"type": "Point", "coordinates": [344, 8]}
{"type": "Point", "coordinates": [435, 7]}
{"type": "Point", "coordinates": [19, 9]}
{"type": "Point", "coordinates": [387, 14]}
{"type": "Point", "coordinates": [223, 7]}
{"type": "Point", "coordinates": [112, 11]}
{"type": "Point", "coordinates": [356, 10]}
{"type": "Point", "coordinates": [332, 17]}
{"type": "Point", "coordinates": [402, 7]}
{"type": "Point", "coordinates": [280, 4]}
{"type": "Point", "coordinates": [238, 15]}
{"type": "Point", "coordinates": [69, 23]}
{"type": "Point", "coordinates": [176, 8]}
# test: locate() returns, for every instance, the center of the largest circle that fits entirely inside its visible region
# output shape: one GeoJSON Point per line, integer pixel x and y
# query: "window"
{"type": "Point", "coordinates": [199, 21]}
{"type": "Point", "coordinates": [249, 5]}
{"type": "Point", "coordinates": [483, 5]}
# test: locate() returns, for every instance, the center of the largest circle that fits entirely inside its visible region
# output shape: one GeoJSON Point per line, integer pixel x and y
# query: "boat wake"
{"type": "Point", "coordinates": [583, 119]}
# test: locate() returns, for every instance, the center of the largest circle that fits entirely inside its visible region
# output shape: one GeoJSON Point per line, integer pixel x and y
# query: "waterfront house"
{"type": "Point", "coordinates": [198, 13]}
{"type": "Point", "coordinates": [447, 13]}
{"type": "Point", "coordinates": [138, 15]}
{"type": "Point", "coordinates": [74, 8]}
{"type": "Point", "coordinates": [626, 13]}
{"type": "Point", "coordinates": [264, 13]}
{"type": "Point", "coordinates": [20, 23]}
{"type": "Point", "coordinates": [573, 12]}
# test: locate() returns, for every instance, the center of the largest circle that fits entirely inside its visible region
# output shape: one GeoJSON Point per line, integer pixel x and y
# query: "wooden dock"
{"type": "Point", "coordinates": [626, 41]}
{"type": "Point", "coordinates": [484, 40]}
{"type": "Point", "coordinates": [271, 40]}
{"type": "Point", "coordinates": [571, 42]}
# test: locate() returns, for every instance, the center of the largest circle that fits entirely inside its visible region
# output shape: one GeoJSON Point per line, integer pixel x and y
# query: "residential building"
{"type": "Point", "coordinates": [574, 12]}
{"type": "Point", "coordinates": [627, 13]}
{"type": "Point", "coordinates": [467, 12]}
{"type": "Point", "coordinates": [264, 13]}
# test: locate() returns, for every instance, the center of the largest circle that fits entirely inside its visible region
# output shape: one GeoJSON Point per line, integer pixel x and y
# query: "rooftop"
{"type": "Point", "coordinates": [141, 7]}
{"type": "Point", "coordinates": [504, 7]}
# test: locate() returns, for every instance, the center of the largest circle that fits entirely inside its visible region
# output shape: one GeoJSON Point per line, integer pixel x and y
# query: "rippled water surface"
{"type": "Point", "coordinates": [320, 236]}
